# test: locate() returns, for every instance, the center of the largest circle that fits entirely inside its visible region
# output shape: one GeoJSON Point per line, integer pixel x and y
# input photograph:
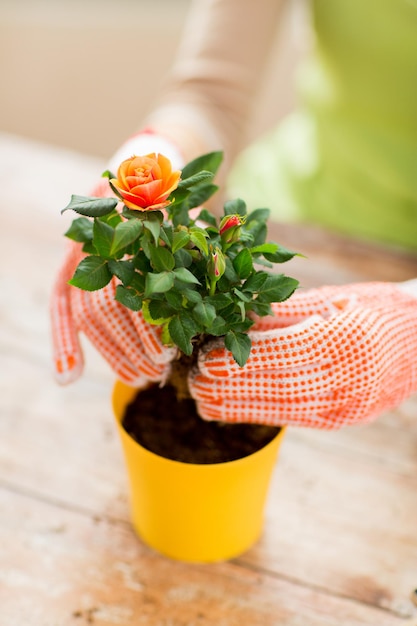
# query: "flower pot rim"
{"type": "Point", "coordinates": [118, 416]}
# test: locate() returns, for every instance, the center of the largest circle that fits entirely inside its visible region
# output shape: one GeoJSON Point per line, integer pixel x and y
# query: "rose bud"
{"type": "Point", "coordinates": [229, 228]}
{"type": "Point", "coordinates": [216, 265]}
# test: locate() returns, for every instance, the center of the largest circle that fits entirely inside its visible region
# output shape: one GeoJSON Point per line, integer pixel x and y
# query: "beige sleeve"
{"type": "Point", "coordinates": [211, 91]}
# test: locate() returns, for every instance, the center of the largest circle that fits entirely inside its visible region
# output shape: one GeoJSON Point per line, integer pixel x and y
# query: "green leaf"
{"type": "Point", "coordinates": [147, 316]}
{"type": "Point", "coordinates": [162, 259]}
{"type": "Point", "coordinates": [204, 313]}
{"type": "Point", "coordinates": [103, 238]}
{"type": "Point", "coordinates": [160, 311]}
{"type": "Point", "coordinates": [165, 336]}
{"type": "Point", "coordinates": [244, 297]}
{"type": "Point", "coordinates": [180, 239]}
{"type": "Point", "coordinates": [142, 263]}
{"type": "Point", "coordinates": [138, 282]}
{"type": "Point", "coordinates": [260, 215]}
{"type": "Point", "coordinates": [131, 214]}
{"type": "Point", "coordinates": [243, 263]}
{"type": "Point", "coordinates": [230, 273]}
{"type": "Point", "coordinates": [183, 258]}
{"type": "Point", "coordinates": [201, 194]}
{"type": "Point", "coordinates": [147, 241]}
{"type": "Point", "coordinates": [124, 270]}
{"type": "Point", "coordinates": [236, 206]}
{"type": "Point", "coordinates": [246, 237]}
{"type": "Point", "coordinates": [174, 299]}
{"type": "Point", "coordinates": [241, 306]}
{"type": "Point", "coordinates": [91, 274]}
{"type": "Point", "coordinates": [258, 231]}
{"type": "Point", "coordinates": [177, 197]}
{"type": "Point", "coordinates": [158, 283]}
{"type": "Point", "coordinates": [154, 227]}
{"type": "Point", "coordinates": [277, 288]}
{"type": "Point", "coordinates": [112, 219]}
{"type": "Point", "coordinates": [91, 207]}
{"type": "Point", "coordinates": [89, 248]}
{"type": "Point", "coordinates": [239, 344]}
{"type": "Point", "coordinates": [210, 162]}
{"type": "Point", "coordinates": [261, 308]}
{"type": "Point", "coordinates": [220, 300]}
{"type": "Point", "coordinates": [80, 230]}
{"type": "Point", "coordinates": [207, 217]}
{"type": "Point", "coordinates": [219, 327]}
{"type": "Point", "coordinates": [243, 324]}
{"type": "Point", "coordinates": [182, 329]}
{"type": "Point", "coordinates": [261, 261]}
{"type": "Point", "coordinates": [274, 252]}
{"type": "Point", "coordinates": [180, 216]}
{"type": "Point", "coordinates": [116, 191]}
{"type": "Point", "coordinates": [234, 320]}
{"type": "Point", "coordinates": [185, 276]}
{"type": "Point", "coordinates": [128, 297]}
{"type": "Point", "coordinates": [255, 281]}
{"type": "Point", "coordinates": [167, 235]}
{"type": "Point", "coordinates": [281, 255]}
{"type": "Point", "coordinates": [108, 174]}
{"type": "Point", "coordinates": [191, 295]}
{"type": "Point", "coordinates": [270, 248]}
{"type": "Point", "coordinates": [198, 237]}
{"type": "Point", "coordinates": [125, 233]}
{"type": "Point", "coordinates": [196, 179]}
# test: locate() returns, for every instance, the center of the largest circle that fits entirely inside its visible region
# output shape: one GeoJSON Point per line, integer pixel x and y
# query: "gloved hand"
{"type": "Point", "coordinates": [329, 357]}
{"type": "Point", "coordinates": [130, 345]}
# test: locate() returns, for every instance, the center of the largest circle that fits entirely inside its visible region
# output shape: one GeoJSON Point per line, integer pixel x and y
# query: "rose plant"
{"type": "Point", "coordinates": [190, 273]}
{"type": "Point", "coordinates": [194, 277]}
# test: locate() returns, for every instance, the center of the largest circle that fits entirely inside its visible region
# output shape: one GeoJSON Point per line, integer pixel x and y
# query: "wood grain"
{"type": "Point", "coordinates": [339, 547]}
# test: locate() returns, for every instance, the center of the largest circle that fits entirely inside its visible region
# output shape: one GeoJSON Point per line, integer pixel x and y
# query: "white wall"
{"type": "Point", "coordinates": [69, 68]}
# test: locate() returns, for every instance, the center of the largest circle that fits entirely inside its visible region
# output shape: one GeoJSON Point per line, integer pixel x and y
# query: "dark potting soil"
{"type": "Point", "coordinates": [173, 429]}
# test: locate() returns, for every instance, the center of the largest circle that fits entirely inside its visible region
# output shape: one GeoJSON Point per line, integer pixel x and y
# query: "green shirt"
{"type": "Point", "coordinates": [347, 157]}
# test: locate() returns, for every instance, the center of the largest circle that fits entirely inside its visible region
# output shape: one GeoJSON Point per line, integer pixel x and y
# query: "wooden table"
{"type": "Point", "coordinates": [340, 540]}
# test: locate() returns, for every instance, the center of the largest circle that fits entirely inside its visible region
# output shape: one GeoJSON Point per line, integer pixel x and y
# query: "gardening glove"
{"type": "Point", "coordinates": [130, 345]}
{"type": "Point", "coordinates": [329, 357]}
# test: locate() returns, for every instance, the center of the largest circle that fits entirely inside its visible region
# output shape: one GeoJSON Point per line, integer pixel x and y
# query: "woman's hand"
{"type": "Point", "coordinates": [131, 346]}
{"type": "Point", "coordinates": [329, 357]}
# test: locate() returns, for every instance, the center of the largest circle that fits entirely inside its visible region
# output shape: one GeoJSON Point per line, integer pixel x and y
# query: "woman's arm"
{"type": "Point", "coordinates": [212, 87]}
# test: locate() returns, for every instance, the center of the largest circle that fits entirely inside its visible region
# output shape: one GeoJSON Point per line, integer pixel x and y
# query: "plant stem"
{"type": "Point", "coordinates": [181, 368]}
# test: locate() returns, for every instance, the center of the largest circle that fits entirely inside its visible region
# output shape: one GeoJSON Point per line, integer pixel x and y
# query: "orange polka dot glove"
{"type": "Point", "coordinates": [130, 345]}
{"type": "Point", "coordinates": [328, 357]}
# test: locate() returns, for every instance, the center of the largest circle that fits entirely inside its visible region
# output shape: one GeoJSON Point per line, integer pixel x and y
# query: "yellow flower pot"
{"type": "Point", "coordinates": [190, 512]}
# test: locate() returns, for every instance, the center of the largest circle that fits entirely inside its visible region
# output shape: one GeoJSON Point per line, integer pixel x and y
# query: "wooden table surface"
{"type": "Point", "coordinates": [340, 540]}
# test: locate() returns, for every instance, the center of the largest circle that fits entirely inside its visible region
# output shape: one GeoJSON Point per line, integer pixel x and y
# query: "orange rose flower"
{"type": "Point", "coordinates": [145, 182]}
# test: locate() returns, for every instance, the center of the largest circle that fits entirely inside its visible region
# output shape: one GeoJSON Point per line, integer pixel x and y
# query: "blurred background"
{"type": "Point", "coordinates": [81, 74]}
